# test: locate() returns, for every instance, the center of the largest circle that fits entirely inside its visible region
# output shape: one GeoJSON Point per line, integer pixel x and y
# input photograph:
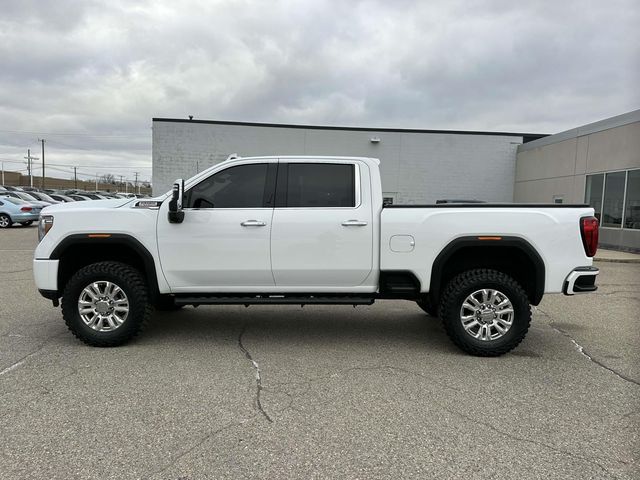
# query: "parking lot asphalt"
{"type": "Point", "coordinates": [319, 392]}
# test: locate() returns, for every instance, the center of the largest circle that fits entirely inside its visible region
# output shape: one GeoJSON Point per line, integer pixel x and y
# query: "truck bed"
{"type": "Point", "coordinates": [412, 236]}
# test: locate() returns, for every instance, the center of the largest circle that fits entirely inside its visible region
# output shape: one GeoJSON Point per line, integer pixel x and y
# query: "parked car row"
{"type": "Point", "coordinates": [22, 205]}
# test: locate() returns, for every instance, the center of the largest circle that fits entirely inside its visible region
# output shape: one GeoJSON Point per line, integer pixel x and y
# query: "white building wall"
{"type": "Point", "coordinates": [556, 166]}
{"type": "Point", "coordinates": [416, 167]}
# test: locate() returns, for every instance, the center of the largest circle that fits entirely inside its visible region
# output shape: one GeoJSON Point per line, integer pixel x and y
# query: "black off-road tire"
{"type": "Point", "coordinates": [26, 224]}
{"type": "Point", "coordinates": [460, 287]}
{"type": "Point", "coordinates": [130, 281]}
{"type": "Point", "coordinates": [425, 304]}
{"type": "Point", "coordinates": [6, 221]}
{"type": "Point", "coordinates": [166, 303]}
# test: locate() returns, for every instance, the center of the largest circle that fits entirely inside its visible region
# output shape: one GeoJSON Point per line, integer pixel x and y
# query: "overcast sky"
{"type": "Point", "coordinates": [98, 71]}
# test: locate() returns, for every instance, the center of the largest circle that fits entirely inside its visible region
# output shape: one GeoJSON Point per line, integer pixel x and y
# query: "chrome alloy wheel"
{"type": "Point", "coordinates": [487, 314]}
{"type": "Point", "coordinates": [103, 306]}
{"type": "Point", "coordinates": [4, 221]}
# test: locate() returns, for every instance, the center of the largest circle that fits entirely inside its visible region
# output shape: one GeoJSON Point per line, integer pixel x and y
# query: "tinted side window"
{"type": "Point", "coordinates": [320, 185]}
{"type": "Point", "coordinates": [236, 187]}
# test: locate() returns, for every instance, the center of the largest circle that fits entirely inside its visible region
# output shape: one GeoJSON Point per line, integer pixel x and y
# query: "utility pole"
{"type": "Point", "coordinates": [29, 166]}
{"type": "Point", "coordinates": [135, 185]}
{"type": "Point", "coordinates": [42, 140]}
{"type": "Point", "coordinates": [75, 177]}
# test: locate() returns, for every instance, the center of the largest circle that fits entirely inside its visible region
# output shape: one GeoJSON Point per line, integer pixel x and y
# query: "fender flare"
{"type": "Point", "coordinates": [435, 287]}
{"type": "Point", "coordinates": [98, 239]}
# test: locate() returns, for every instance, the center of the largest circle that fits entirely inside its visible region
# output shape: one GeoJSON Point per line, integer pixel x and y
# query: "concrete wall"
{"type": "Point", "coordinates": [416, 167]}
{"type": "Point", "coordinates": [557, 166]}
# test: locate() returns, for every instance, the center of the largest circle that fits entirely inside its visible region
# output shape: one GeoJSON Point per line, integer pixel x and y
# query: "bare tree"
{"type": "Point", "coordinates": [108, 178]}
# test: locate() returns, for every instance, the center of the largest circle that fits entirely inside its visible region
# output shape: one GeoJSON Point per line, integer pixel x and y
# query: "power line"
{"type": "Point", "coordinates": [78, 134]}
{"type": "Point", "coordinates": [84, 166]}
{"type": "Point", "coordinates": [66, 146]}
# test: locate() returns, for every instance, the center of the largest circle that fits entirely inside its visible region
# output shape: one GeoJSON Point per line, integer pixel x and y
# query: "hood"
{"type": "Point", "coordinates": [88, 204]}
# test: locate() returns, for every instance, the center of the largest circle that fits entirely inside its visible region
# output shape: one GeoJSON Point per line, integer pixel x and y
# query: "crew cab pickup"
{"type": "Point", "coordinates": [309, 230]}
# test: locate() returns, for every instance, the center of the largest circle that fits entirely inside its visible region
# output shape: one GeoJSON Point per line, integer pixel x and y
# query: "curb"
{"type": "Point", "coordinates": [617, 260]}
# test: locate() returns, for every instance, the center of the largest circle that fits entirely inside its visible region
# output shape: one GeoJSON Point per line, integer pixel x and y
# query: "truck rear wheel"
{"type": "Point", "coordinates": [485, 312]}
{"type": "Point", "coordinates": [106, 304]}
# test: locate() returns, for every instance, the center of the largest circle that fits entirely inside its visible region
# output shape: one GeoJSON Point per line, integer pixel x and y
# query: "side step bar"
{"type": "Point", "coordinates": [273, 299]}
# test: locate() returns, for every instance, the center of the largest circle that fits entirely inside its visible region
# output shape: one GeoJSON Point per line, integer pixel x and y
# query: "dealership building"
{"type": "Point", "coordinates": [597, 163]}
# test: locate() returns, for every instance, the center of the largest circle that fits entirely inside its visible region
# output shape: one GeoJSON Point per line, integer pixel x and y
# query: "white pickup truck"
{"type": "Point", "coordinates": [309, 230]}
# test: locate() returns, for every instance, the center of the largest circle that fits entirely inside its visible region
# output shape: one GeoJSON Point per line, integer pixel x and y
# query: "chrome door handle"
{"type": "Point", "coordinates": [354, 223]}
{"type": "Point", "coordinates": [253, 223]}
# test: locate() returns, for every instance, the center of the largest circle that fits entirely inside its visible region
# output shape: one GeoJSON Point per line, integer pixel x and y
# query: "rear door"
{"type": "Point", "coordinates": [322, 232]}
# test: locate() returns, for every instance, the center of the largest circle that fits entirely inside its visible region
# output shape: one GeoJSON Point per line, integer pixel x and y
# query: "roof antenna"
{"type": "Point", "coordinates": [190, 117]}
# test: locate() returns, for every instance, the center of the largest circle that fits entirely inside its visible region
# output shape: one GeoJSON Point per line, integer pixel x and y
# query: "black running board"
{"type": "Point", "coordinates": [273, 299]}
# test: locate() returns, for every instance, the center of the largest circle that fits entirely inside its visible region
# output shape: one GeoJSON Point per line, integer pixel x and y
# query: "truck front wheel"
{"type": "Point", "coordinates": [106, 304]}
{"type": "Point", "coordinates": [485, 312]}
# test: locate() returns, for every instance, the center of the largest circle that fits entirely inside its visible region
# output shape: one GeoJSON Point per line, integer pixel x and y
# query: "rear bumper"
{"type": "Point", "coordinates": [581, 280]}
{"type": "Point", "coordinates": [24, 217]}
{"type": "Point", "coordinates": [45, 273]}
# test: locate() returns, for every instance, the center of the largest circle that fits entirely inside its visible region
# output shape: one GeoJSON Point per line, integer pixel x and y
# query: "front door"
{"type": "Point", "coordinates": [223, 243]}
{"type": "Point", "coordinates": [322, 234]}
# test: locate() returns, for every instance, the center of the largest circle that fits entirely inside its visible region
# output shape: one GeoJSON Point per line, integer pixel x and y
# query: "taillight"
{"type": "Point", "coordinates": [26, 209]}
{"type": "Point", "coordinates": [589, 231]}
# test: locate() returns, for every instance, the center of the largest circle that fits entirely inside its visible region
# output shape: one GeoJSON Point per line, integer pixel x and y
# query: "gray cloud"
{"type": "Point", "coordinates": [106, 68]}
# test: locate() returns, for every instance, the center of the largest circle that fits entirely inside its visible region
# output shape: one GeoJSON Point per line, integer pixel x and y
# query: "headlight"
{"type": "Point", "coordinates": [44, 225]}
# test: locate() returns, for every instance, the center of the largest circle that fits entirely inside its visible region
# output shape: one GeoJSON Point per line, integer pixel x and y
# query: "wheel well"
{"type": "Point", "coordinates": [81, 253]}
{"type": "Point", "coordinates": [514, 257]}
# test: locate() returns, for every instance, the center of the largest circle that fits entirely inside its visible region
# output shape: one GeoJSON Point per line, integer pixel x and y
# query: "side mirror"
{"type": "Point", "coordinates": [176, 214]}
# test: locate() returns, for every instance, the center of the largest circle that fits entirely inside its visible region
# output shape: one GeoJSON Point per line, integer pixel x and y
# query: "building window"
{"type": "Point", "coordinates": [632, 202]}
{"type": "Point", "coordinates": [593, 193]}
{"type": "Point", "coordinates": [613, 199]}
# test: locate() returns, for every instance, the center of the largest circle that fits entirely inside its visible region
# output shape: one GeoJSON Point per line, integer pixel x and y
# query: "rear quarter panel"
{"type": "Point", "coordinates": [553, 232]}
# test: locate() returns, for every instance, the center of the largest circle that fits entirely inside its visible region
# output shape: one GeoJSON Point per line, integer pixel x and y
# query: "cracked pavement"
{"type": "Point", "coordinates": [321, 392]}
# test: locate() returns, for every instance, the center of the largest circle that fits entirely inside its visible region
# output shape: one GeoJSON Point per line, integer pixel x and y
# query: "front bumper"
{"type": "Point", "coordinates": [581, 280]}
{"type": "Point", "coordinates": [45, 273]}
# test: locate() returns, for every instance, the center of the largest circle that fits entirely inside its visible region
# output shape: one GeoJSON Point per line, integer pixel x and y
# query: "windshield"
{"type": "Point", "coordinates": [25, 196]}
{"type": "Point", "coordinates": [42, 196]}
